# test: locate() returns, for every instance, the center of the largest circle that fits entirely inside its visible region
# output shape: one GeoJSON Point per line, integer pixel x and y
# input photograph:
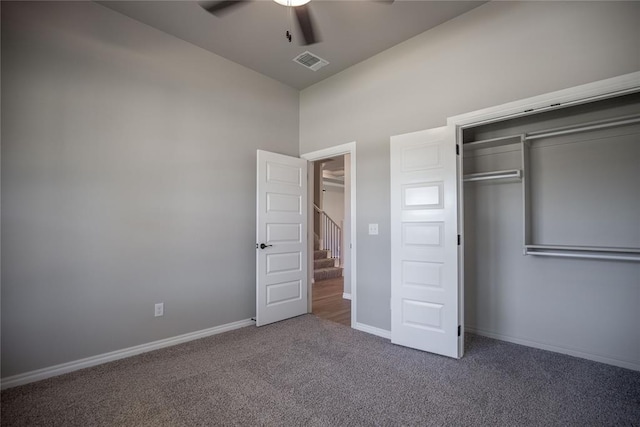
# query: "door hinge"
{"type": "Point", "coordinates": [458, 149]}
{"type": "Point", "coordinates": [458, 240]}
{"type": "Point", "coordinates": [459, 330]}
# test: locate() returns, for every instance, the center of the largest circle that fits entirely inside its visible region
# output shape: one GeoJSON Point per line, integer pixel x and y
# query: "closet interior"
{"type": "Point", "coordinates": [551, 229]}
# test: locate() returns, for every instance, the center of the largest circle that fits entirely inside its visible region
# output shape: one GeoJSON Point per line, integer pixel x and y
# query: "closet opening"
{"type": "Point", "coordinates": [551, 232]}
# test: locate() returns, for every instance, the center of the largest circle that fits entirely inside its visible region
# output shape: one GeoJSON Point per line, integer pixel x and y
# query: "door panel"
{"type": "Point", "coordinates": [281, 215]}
{"type": "Point", "coordinates": [424, 242]}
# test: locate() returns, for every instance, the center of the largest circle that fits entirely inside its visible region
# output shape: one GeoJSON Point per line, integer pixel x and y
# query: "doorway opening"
{"type": "Point", "coordinates": [329, 299]}
{"type": "Point", "coordinates": [331, 229]}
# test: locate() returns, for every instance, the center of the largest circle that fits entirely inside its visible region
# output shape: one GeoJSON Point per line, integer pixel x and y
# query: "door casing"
{"type": "Point", "coordinates": [348, 148]}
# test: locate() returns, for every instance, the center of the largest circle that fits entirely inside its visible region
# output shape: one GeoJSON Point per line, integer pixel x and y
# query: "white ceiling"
{"type": "Point", "coordinates": [253, 34]}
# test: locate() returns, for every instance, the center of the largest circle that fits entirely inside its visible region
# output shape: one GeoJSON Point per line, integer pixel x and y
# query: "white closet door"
{"type": "Point", "coordinates": [281, 232]}
{"type": "Point", "coordinates": [424, 241]}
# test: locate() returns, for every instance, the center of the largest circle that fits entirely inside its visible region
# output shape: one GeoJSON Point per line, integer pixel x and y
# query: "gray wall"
{"type": "Point", "coordinates": [128, 178]}
{"type": "Point", "coordinates": [499, 52]}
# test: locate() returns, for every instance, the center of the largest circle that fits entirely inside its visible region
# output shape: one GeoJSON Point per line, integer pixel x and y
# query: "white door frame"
{"type": "Point", "coordinates": [348, 148]}
{"type": "Point", "coordinates": [602, 89]}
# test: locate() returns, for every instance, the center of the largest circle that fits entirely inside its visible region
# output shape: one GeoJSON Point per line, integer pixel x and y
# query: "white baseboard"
{"type": "Point", "coordinates": [554, 348]}
{"type": "Point", "coordinates": [373, 330]}
{"type": "Point", "coordinates": [52, 371]}
{"type": "Point", "coordinates": [346, 296]}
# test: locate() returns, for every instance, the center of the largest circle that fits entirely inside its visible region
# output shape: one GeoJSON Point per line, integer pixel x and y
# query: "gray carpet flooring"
{"type": "Point", "coordinates": [311, 372]}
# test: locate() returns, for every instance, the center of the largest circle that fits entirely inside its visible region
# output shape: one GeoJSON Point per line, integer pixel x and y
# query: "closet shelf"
{"type": "Point", "coordinates": [588, 252]}
{"type": "Point", "coordinates": [485, 176]}
{"type": "Point", "coordinates": [494, 142]}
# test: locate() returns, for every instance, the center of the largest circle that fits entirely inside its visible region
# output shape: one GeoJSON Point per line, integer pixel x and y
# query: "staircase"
{"type": "Point", "coordinates": [324, 267]}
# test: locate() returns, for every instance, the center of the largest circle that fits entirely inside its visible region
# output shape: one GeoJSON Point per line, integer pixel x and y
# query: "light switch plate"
{"type": "Point", "coordinates": [373, 229]}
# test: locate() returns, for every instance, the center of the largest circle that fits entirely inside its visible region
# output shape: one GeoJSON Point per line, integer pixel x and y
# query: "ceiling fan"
{"type": "Point", "coordinates": [300, 8]}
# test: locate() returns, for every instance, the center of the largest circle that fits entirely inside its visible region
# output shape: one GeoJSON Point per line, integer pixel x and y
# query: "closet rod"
{"type": "Point", "coordinates": [600, 124]}
{"type": "Point", "coordinates": [587, 256]}
{"type": "Point", "coordinates": [515, 173]}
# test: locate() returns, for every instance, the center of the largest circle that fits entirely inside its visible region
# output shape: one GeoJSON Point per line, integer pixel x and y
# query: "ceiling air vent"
{"type": "Point", "coordinates": [309, 60]}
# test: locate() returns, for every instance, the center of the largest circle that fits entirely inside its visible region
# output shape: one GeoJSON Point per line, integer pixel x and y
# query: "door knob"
{"type": "Point", "coordinates": [262, 246]}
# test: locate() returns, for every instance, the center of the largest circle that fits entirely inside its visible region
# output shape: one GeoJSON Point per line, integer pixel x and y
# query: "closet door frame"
{"type": "Point", "coordinates": [583, 94]}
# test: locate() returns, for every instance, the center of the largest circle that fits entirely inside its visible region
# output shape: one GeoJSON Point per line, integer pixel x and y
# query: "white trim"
{"type": "Point", "coordinates": [348, 148]}
{"type": "Point", "coordinates": [555, 349]}
{"type": "Point", "coordinates": [626, 83]}
{"type": "Point", "coordinates": [52, 371]}
{"type": "Point", "coordinates": [346, 296]}
{"type": "Point", "coordinates": [373, 330]}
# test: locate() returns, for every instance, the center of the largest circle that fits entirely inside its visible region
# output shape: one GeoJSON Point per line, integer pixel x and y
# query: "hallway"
{"type": "Point", "coordinates": [328, 302]}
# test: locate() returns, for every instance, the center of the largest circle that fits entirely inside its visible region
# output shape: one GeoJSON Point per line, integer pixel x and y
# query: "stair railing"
{"type": "Point", "coordinates": [330, 233]}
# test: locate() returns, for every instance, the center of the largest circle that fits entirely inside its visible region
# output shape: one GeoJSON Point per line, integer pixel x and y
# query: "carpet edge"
{"type": "Point", "coordinates": [556, 349]}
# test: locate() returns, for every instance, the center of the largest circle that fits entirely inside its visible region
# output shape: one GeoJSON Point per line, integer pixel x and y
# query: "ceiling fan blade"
{"type": "Point", "coordinates": [305, 23]}
{"type": "Point", "coordinates": [218, 8]}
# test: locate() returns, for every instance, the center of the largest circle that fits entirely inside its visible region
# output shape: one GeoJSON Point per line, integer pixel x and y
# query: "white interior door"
{"type": "Point", "coordinates": [424, 241]}
{"type": "Point", "coordinates": [281, 232]}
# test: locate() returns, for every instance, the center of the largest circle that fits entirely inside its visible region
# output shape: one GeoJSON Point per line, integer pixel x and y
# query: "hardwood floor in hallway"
{"type": "Point", "coordinates": [328, 302]}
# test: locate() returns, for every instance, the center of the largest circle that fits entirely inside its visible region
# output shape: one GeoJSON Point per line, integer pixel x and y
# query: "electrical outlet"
{"type": "Point", "coordinates": [373, 229]}
{"type": "Point", "coordinates": [159, 309]}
